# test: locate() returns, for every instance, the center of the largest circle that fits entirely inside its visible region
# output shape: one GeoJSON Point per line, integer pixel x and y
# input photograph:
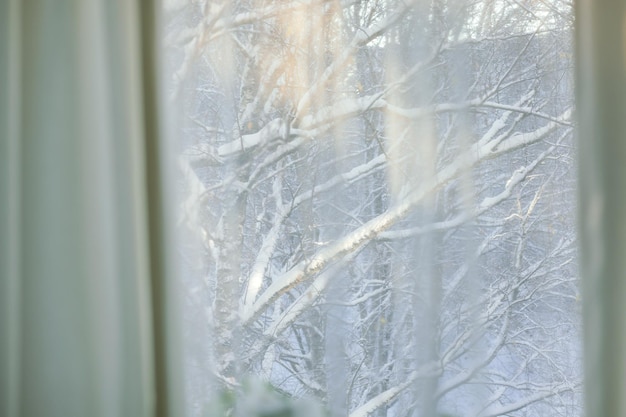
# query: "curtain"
{"type": "Point", "coordinates": [85, 326]}
{"type": "Point", "coordinates": [601, 103]}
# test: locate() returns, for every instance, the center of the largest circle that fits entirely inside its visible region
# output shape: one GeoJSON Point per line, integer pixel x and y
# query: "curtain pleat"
{"type": "Point", "coordinates": [83, 287]}
{"type": "Point", "coordinates": [9, 208]}
{"type": "Point", "coordinates": [601, 106]}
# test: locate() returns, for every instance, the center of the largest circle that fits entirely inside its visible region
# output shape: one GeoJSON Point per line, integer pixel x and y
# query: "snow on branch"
{"type": "Point", "coordinates": [487, 147]}
{"type": "Point", "coordinates": [383, 398]}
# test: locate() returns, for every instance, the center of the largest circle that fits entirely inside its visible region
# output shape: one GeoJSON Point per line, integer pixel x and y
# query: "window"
{"type": "Point", "coordinates": [377, 208]}
{"type": "Point", "coordinates": [380, 196]}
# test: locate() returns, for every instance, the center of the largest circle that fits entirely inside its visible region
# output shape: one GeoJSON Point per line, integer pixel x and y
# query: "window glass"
{"type": "Point", "coordinates": [378, 206]}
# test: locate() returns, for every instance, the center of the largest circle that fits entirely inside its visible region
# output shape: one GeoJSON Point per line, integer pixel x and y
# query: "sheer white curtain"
{"type": "Point", "coordinates": [383, 195]}
{"type": "Point", "coordinates": [83, 226]}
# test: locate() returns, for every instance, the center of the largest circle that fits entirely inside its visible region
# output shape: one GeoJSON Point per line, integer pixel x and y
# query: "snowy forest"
{"type": "Point", "coordinates": [378, 204]}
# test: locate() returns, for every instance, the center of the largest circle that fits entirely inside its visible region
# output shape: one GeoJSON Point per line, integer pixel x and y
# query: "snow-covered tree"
{"type": "Point", "coordinates": [379, 194]}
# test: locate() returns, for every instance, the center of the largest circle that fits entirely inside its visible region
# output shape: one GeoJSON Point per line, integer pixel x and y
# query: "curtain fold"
{"type": "Point", "coordinates": [601, 106]}
{"type": "Point", "coordinates": [9, 209]}
{"type": "Point", "coordinates": [84, 274]}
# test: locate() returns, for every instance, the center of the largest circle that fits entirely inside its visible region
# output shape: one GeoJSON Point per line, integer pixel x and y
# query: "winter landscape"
{"type": "Point", "coordinates": [378, 205]}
